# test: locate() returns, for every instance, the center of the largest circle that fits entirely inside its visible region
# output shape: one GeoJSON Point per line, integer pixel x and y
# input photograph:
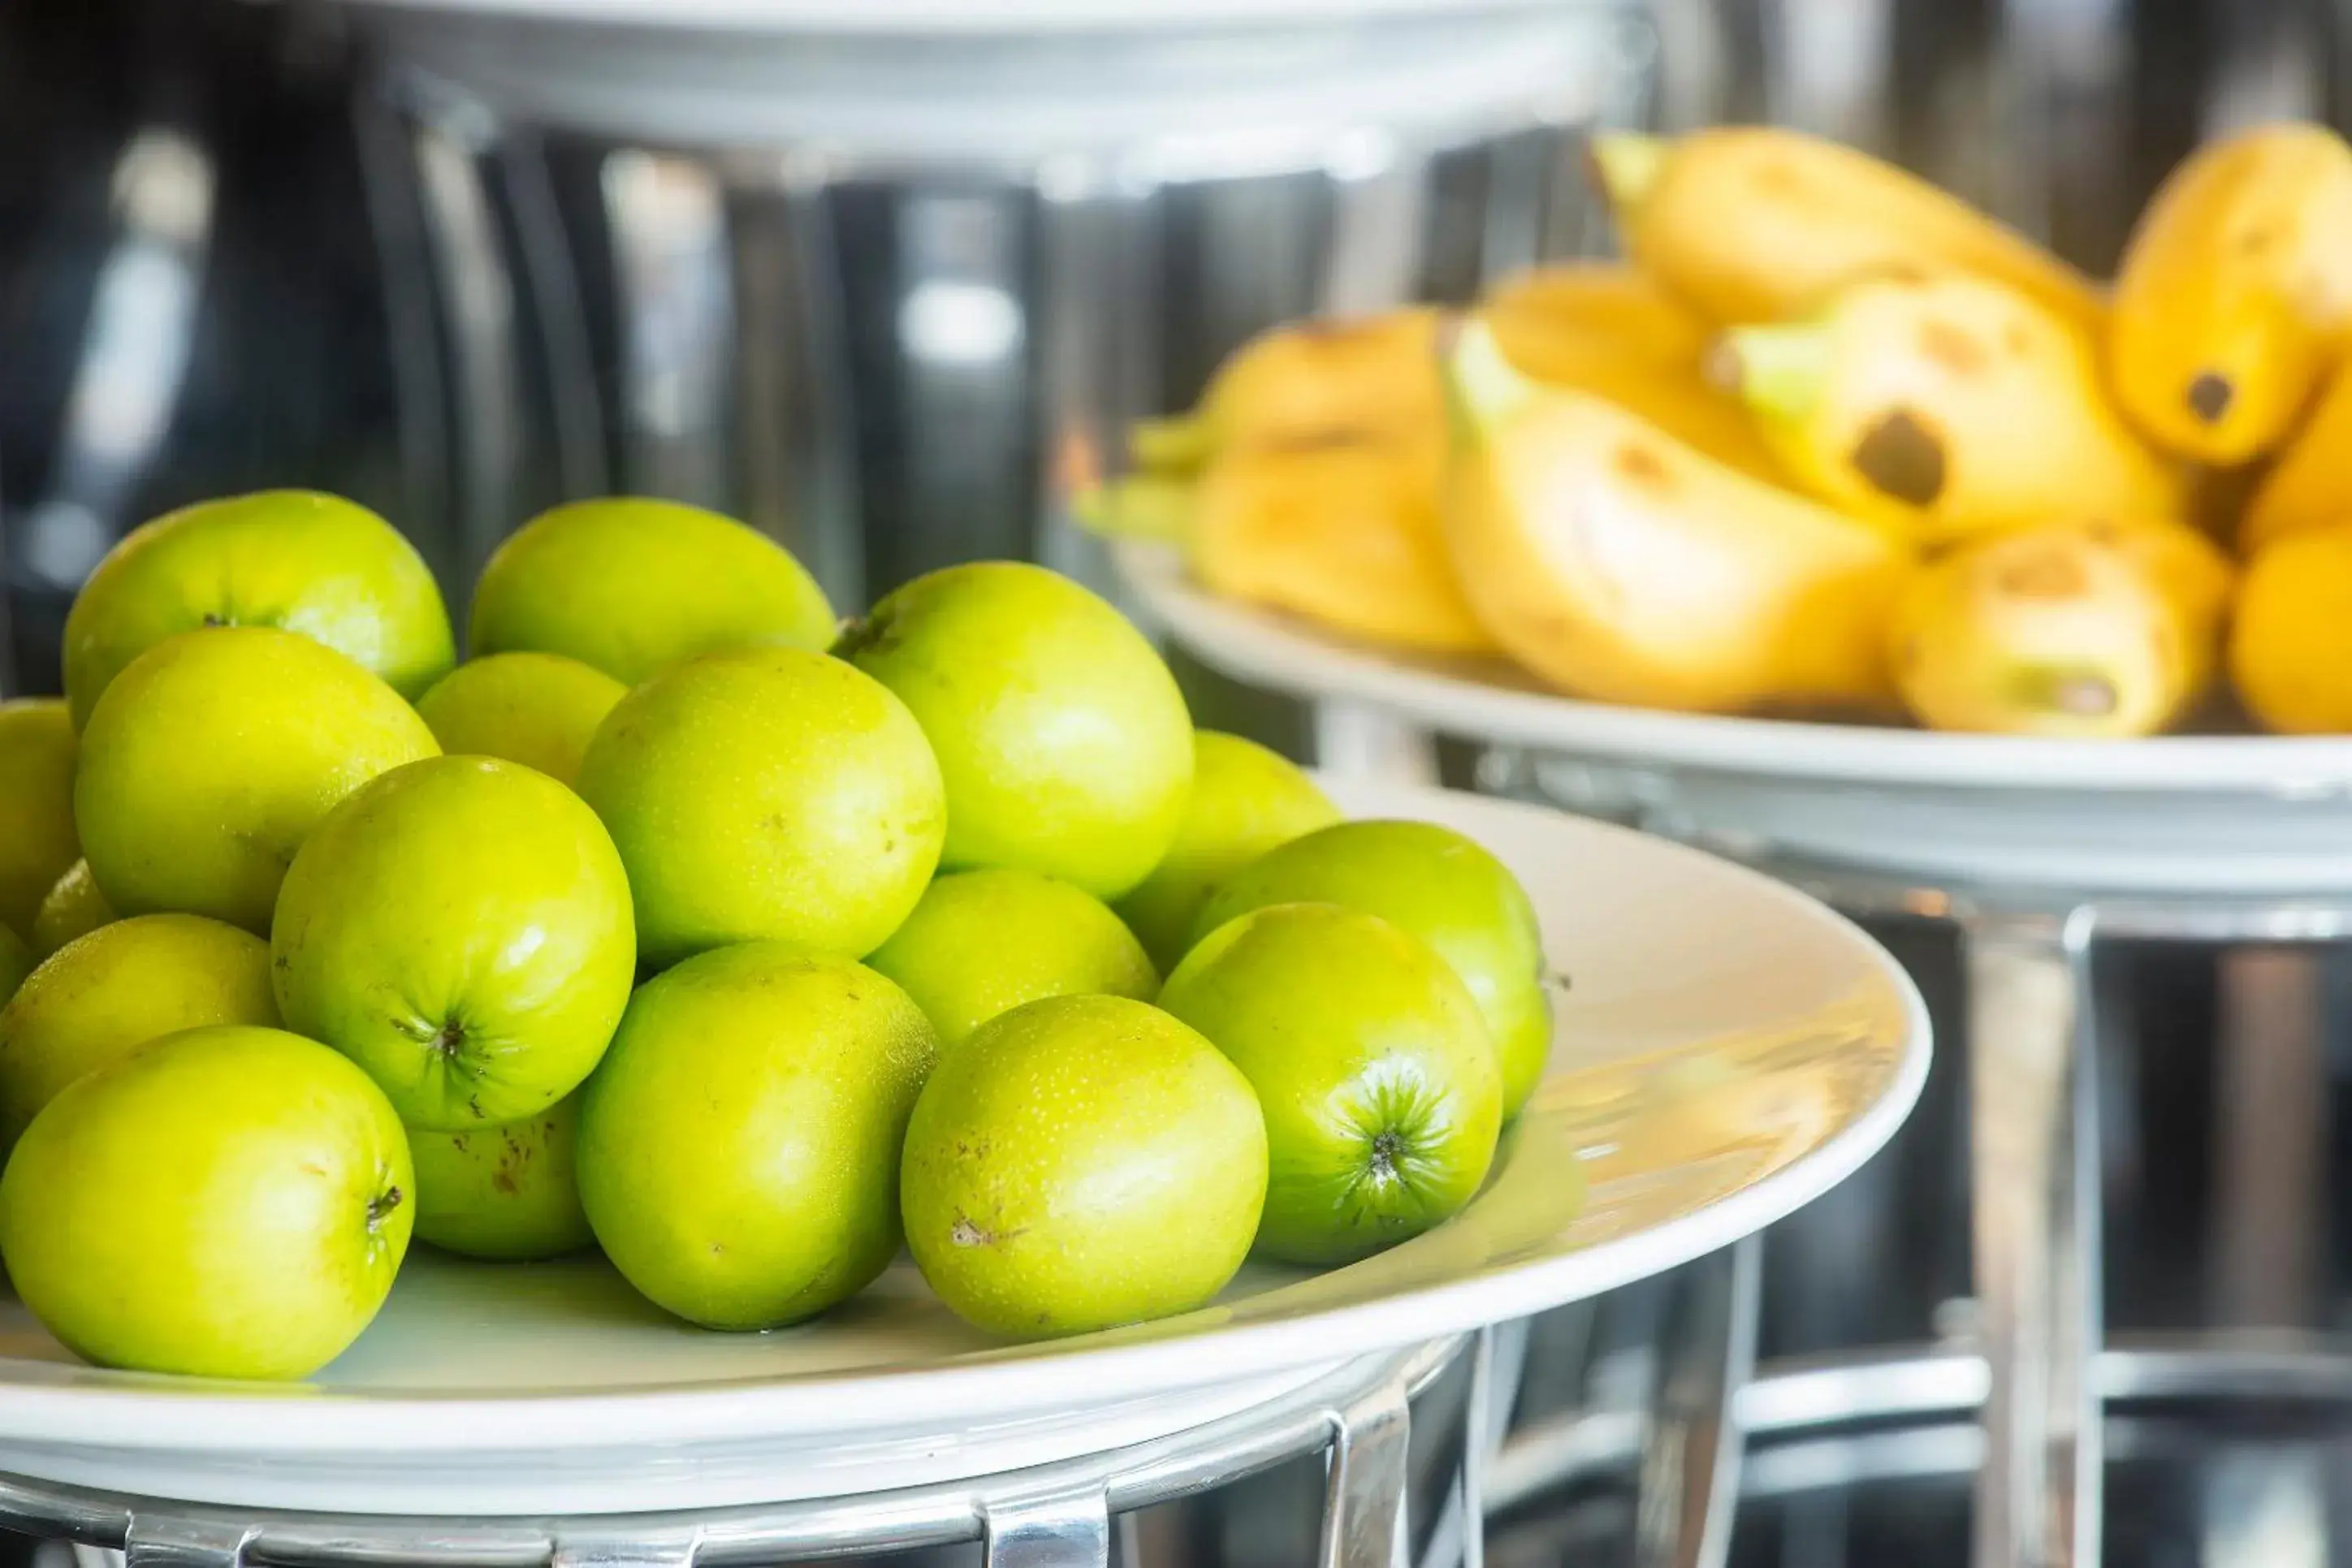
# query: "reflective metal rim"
{"type": "Point", "coordinates": [1049, 1517]}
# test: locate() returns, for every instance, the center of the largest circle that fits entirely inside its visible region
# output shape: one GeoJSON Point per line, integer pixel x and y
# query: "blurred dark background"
{"type": "Point", "coordinates": [238, 249]}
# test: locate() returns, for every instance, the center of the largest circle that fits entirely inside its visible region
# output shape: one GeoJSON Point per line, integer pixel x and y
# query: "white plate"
{"type": "Point", "coordinates": [2188, 814]}
{"type": "Point", "coordinates": [1728, 1049]}
{"type": "Point", "coordinates": [1019, 93]}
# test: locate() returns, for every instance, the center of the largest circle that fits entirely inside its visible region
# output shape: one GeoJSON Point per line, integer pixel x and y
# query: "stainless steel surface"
{"type": "Point", "coordinates": [2033, 1178]}
{"type": "Point", "coordinates": [140, 334]}
{"type": "Point", "coordinates": [1052, 240]}
{"type": "Point", "coordinates": [1048, 1529]}
{"type": "Point", "coordinates": [1053, 1516]}
{"type": "Point", "coordinates": [1925, 1387]}
{"type": "Point", "coordinates": [2270, 1111]}
{"type": "Point", "coordinates": [1689, 1479]}
{"type": "Point", "coordinates": [1364, 1496]}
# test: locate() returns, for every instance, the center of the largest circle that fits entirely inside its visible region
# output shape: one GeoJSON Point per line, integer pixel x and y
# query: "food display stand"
{"type": "Point", "coordinates": [1728, 1049]}
{"type": "Point", "coordinates": [2031, 848]}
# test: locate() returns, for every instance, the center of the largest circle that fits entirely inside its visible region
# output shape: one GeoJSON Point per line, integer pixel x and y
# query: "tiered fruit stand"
{"type": "Point", "coordinates": [2031, 850]}
{"type": "Point", "coordinates": [1729, 1051]}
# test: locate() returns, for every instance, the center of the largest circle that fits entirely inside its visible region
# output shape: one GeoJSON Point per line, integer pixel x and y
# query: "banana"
{"type": "Point", "coordinates": [1342, 530]}
{"type": "Point", "coordinates": [1620, 564]}
{"type": "Point", "coordinates": [2310, 485]}
{"type": "Point", "coordinates": [1760, 223]}
{"type": "Point", "coordinates": [1559, 313]}
{"type": "Point", "coordinates": [2064, 631]}
{"type": "Point", "coordinates": [1610, 330]}
{"type": "Point", "coordinates": [2291, 639]}
{"type": "Point", "coordinates": [2235, 292]}
{"type": "Point", "coordinates": [1302, 381]}
{"type": "Point", "coordinates": [2190, 569]}
{"type": "Point", "coordinates": [1951, 406]}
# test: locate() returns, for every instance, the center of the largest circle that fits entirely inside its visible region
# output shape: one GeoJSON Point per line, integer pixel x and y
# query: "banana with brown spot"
{"type": "Point", "coordinates": [1760, 223]}
{"type": "Point", "coordinates": [2235, 292]}
{"type": "Point", "coordinates": [1951, 406]}
{"type": "Point", "coordinates": [2069, 631]}
{"type": "Point", "coordinates": [1621, 565]}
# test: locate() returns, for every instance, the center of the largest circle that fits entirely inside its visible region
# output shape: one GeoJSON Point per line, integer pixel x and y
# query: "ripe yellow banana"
{"type": "Point", "coordinates": [1610, 330]}
{"type": "Point", "coordinates": [2064, 631]}
{"type": "Point", "coordinates": [2310, 485]}
{"type": "Point", "coordinates": [1760, 223]}
{"type": "Point", "coordinates": [1340, 530]}
{"type": "Point", "coordinates": [2235, 292]}
{"type": "Point", "coordinates": [2190, 569]}
{"type": "Point", "coordinates": [1303, 381]}
{"type": "Point", "coordinates": [2291, 638]}
{"type": "Point", "coordinates": [1620, 564]}
{"type": "Point", "coordinates": [1560, 312]}
{"type": "Point", "coordinates": [1951, 406]}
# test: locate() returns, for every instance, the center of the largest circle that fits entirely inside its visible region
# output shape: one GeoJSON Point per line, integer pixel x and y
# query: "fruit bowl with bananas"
{"type": "Point", "coordinates": [1829, 460]}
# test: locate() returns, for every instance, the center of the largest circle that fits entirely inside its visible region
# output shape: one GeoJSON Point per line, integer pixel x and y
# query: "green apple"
{"type": "Point", "coordinates": [101, 997]}
{"type": "Point", "coordinates": [75, 907]}
{"type": "Point", "coordinates": [461, 928]}
{"type": "Point", "coordinates": [505, 1192]}
{"type": "Point", "coordinates": [319, 565]}
{"type": "Point", "coordinates": [1445, 889]}
{"type": "Point", "coordinates": [228, 1202]}
{"type": "Point", "coordinates": [982, 942]}
{"type": "Point", "coordinates": [1080, 1162]}
{"type": "Point", "coordinates": [16, 963]}
{"type": "Point", "coordinates": [37, 841]}
{"type": "Point", "coordinates": [538, 709]}
{"type": "Point", "coordinates": [631, 586]}
{"type": "Point", "coordinates": [212, 756]}
{"type": "Point", "coordinates": [1382, 1095]}
{"type": "Point", "coordinates": [767, 794]}
{"type": "Point", "coordinates": [1246, 800]}
{"type": "Point", "coordinates": [739, 1148]}
{"type": "Point", "coordinates": [1063, 738]}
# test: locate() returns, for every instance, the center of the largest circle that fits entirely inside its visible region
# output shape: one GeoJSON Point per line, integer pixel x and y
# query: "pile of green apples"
{"type": "Point", "coordinates": [689, 922]}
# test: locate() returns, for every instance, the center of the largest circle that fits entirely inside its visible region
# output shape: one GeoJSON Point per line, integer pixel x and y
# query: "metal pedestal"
{"type": "Point", "coordinates": [1062, 1515]}
{"type": "Point", "coordinates": [2034, 1365]}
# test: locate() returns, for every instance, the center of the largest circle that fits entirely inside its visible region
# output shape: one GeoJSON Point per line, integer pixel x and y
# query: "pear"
{"type": "Point", "coordinates": [1625, 565]}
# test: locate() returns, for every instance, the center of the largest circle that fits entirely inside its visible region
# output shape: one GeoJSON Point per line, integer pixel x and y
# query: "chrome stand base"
{"type": "Point", "coordinates": [1053, 1516]}
{"type": "Point", "coordinates": [2037, 1364]}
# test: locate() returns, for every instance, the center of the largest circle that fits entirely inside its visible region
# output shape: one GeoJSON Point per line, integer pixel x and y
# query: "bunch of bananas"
{"type": "Point", "coordinates": [1828, 441]}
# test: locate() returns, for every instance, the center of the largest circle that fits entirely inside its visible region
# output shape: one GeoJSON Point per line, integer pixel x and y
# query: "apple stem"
{"type": "Point", "coordinates": [380, 1208]}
